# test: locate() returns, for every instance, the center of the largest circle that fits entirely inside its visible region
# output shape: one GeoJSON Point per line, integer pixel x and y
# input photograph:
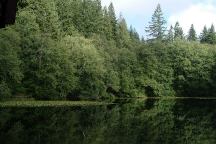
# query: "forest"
{"type": "Point", "coordinates": [78, 49]}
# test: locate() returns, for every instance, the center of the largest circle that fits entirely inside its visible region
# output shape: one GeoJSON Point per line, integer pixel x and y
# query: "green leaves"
{"type": "Point", "coordinates": [192, 34]}
{"type": "Point", "coordinates": [88, 64]}
{"type": "Point", "coordinates": [5, 91]}
{"type": "Point", "coordinates": [10, 72]}
{"type": "Point", "coordinates": [46, 16]}
{"type": "Point", "coordinates": [192, 68]}
{"type": "Point", "coordinates": [178, 32]}
{"type": "Point", "coordinates": [156, 28]}
{"type": "Point", "coordinates": [208, 36]}
{"type": "Point", "coordinates": [75, 49]}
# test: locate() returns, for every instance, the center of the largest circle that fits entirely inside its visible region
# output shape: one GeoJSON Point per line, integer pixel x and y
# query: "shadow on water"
{"type": "Point", "coordinates": [128, 121]}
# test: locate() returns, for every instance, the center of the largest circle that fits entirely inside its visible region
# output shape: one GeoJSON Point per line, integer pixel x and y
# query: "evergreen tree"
{"type": "Point", "coordinates": [46, 16]}
{"type": "Point", "coordinates": [69, 15]}
{"type": "Point", "coordinates": [85, 16]}
{"type": "Point", "coordinates": [192, 34]}
{"type": "Point", "coordinates": [211, 38]}
{"type": "Point", "coordinates": [94, 15]}
{"type": "Point", "coordinates": [178, 32]}
{"type": "Point", "coordinates": [113, 20]}
{"type": "Point", "coordinates": [107, 28]}
{"type": "Point", "coordinates": [123, 36]}
{"type": "Point", "coordinates": [133, 34]}
{"type": "Point", "coordinates": [170, 35]}
{"type": "Point", "coordinates": [204, 35]}
{"type": "Point", "coordinates": [156, 28]}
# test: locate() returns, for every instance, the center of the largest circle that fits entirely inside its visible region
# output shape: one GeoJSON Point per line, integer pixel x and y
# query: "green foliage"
{"type": "Point", "coordinates": [107, 28]}
{"type": "Point", "coordinates": [208, 36]}
{"type": "Point", "coordinates": [126, 64]}
{"type": "Point", "coordinates": [211, 38]}
{"type": "Point", "coordinates": [77, 49]}
{"type": "Point", "coordinates": [123, 36]}
{"type": "Point", "coordinates": [170, 35]}
{"type": "Point", "coordinates": [204, 34]}
{"type": "Point", "coordinates": [157, 74]}
{"type": "Point", "coordinates": [88, 64]}
{"type": "Point", "coordinates": [192, 34]}
{"type": "Point", "coordinates": [156, 28]}
{"type": "Point", "coordinates": [192, 69]}
{"type": "Point", "coordinates": [134, 34]}
{"type": "Point", "coordinates": [113, 20]}
{"type": "Point", "coordinates": [85, 16]}
{"type": "Point", "coordinates": [48, 72]}
{"type": "Point", "coordinates": [46, 16]}
{"type": "Point", "coordinates": [10, 72]}
{"type": "Point", "coordinates": [51, 104]}
{"type": "Point", "coordinates": [178, 32]}
{"type": "Point", "coordinates": [68, 12]}
{"type": "Point", "coordinates": [5, 91]}
{"type": "Point", "coordinates": [47, 69]}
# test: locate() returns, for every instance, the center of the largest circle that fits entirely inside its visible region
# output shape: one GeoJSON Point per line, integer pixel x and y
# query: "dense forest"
{"type": "Point", "coordinates": [72, 49]}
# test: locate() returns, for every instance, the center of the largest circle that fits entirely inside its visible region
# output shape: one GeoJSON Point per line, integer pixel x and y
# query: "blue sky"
{"type": "Point", "coordinates": [138, 12]}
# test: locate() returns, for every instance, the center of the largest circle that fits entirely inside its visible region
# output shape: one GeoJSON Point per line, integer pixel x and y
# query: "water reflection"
{"type": "Point", "coordinates": [128, 122]}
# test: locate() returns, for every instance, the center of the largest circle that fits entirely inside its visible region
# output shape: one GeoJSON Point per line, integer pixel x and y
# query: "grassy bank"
{"type": "Point", "coordinates": [30, 103]}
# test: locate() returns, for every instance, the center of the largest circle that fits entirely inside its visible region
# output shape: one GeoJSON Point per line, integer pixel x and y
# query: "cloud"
{"type": "Point", "coordinates": [145, 7]}
{"type": "Point", "coordinates": [138, 12]}
{"type": "Point", "coordinates": [200, 15]}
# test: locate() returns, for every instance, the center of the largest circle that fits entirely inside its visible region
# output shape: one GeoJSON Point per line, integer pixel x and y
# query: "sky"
{"type": "Point", "coordinates": [138, 12]}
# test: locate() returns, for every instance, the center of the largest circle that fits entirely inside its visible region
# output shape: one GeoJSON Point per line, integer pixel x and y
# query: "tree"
{"type": "Point", "coordinates": [211, 38]}
{"type": "Point", "coordinates": [192, 34]}
{"type": "Point", "coordinates": [61, 49]}
{"type": "Point", "coordinates": [91, 18]}
{"type": "Point", "coordinates": [204, 35]}
{"type": "Point", "coordinates": [85, 16]}
{"type": "Point", "coordinates": [156, 29]}
{"type": "Point", "coordinates": [113, 20]}
{"type": "Point", "coordinates": [170, 35]}
{"type": "Point", "coordinates": [127, 63]}
{"type": "Point", "coordinates": [46, 16]}
{"type": "Point", "coordinates": [107, 28]}
{"type": "Point", "coordinates": [134, 34]}
{"type": "Point", "coordinates": [89, 67]}
{"type": "Point", "coordinates": [208, 36]}
{"type": "Point", "coordinates": [178, 32]}
{"type": "Point", "coordinates": [69, 16]}
{"type": "Point", "coordinates": [10, 63]}
{"type": "Point", "coordinates": [48, 73]}
{"type": "Point", "coordinates": [123, 36]}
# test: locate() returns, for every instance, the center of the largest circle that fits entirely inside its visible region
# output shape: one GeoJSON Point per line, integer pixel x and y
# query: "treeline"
{"type": "Point", "coordinates": [157, 30]}
{"type": "Point", "coordinates": [77, 49]}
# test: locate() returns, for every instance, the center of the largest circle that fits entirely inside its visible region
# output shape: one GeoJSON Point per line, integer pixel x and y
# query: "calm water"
{"type": "Point", "coordinates": [126, 122]}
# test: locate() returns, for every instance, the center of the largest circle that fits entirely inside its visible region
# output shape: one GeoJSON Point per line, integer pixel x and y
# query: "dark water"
{"type": "Point", "coordinates": [129, 122]}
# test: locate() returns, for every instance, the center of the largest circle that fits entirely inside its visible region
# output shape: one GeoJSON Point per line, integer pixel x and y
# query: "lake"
{"type": "Point", "coordinates": [128, 121]}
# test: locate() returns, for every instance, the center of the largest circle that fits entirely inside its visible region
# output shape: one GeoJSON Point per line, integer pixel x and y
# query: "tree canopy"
{"type": "Point", "coordinates": [157, 28]}
{"type": "Point", "coordinates": [76, 49]}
